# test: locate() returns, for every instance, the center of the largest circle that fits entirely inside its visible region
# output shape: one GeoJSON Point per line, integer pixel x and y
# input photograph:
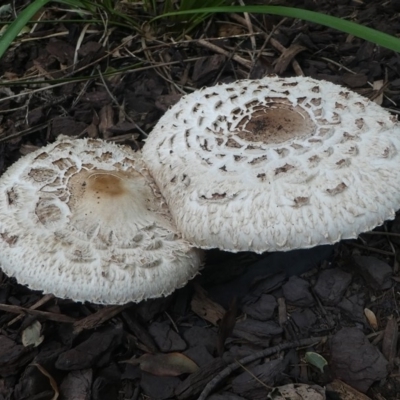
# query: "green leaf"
{"type": "Point", "coordinates": [316, 359]}
{"type": "Point", "coordinates": [363, 32]}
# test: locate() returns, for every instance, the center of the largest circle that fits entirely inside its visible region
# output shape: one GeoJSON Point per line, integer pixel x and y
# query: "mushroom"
{"type": "Point", "coordinates": [82, 219]}
{"type": "Point", "coordinates": [276, 164]}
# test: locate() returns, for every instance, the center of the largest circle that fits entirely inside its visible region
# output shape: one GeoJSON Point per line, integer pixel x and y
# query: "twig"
{"type": "Point", "coordinates": [163, 72]}
{"type": "Point", "coordinates": [382, 233]}
{"type": "Point", "coordinates": [267, 39]}
{"type": "Point", "coordinates": [249, 26]}
{"type": "Point", "coordinates": [42, 314]}
{"type": "Point", "coordinates": [220, 50]}
{"type": "Point", "coordinates": [114, 99]}
{"type": "Point", "coordinates": [84, 79]}
{"type": "Point", "coordinates": [231, 54]}
{"type": "Point", "coordinates": [341, 66]}
{"type": "Point", "coordinates": [172, 322]}
{"type": "Point", "coordinates": [99, 317]}
{"type": "Point", "coordinates": [78, 45]}
{"type": "Point", "coordinates": [38, 304]}
{"type": "Point", "coordinates": [384, 252]}
{"type": "Point", "coordinates": [256, 356]}
{"type": "Point", "coordinates": [274, 43]}
{"type": "Point", "coordinates": [24, 132]}
{"type": "Point", "coordinates": [254, 376]}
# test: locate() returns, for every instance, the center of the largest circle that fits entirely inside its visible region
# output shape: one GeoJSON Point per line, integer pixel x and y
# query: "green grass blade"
{"type": "Point", "coordinates": [23, 18]}
{"type": "Point", "coordinates": [18, 24]}
{"type": "Point", "coordinates": [363, 32]}
{"type": "Point", "coordinates": [73, 3]}
{"type": "Point", "coordinates": [27, 14]}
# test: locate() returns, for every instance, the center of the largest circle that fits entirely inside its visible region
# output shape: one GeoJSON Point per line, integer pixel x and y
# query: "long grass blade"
{"type": "Point", "coordinates": [363, 32]}
{"type": "Point", "coordinates": [18, 24]}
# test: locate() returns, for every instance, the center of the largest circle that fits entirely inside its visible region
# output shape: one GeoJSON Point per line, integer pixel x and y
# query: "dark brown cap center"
{"type": "Point", "coordinates": [276, 125]}
{"type": "Point", "coordinates": [106, 183]}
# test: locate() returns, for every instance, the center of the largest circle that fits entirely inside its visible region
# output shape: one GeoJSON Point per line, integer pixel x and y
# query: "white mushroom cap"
{"type": "Point", "coordinates": [276, 164]}
{"type": "Point", "coordinates": [83, 220]}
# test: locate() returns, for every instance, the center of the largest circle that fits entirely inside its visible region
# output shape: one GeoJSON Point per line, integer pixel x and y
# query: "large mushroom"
{"type": "Point", "coordinates": [82, 219]}
{"type": "Point", "coordinates": [276, 164]}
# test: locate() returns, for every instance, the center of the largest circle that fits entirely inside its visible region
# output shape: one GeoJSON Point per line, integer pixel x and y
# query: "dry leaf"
{"type": "Point", "coordinates": [31, 335]}
{"type": "Point", "coordinates": [373, 322]}
{"type": "Point", "coordinates": [205, 308]}
{"type": "Point", "coordinates": [171, 364]}
{"type": "Point", "coordinates": [53, 383]}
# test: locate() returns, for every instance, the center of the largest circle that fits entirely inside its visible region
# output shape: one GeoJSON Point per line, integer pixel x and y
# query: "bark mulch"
{"type": "Point", "coordinates": [319, 323]}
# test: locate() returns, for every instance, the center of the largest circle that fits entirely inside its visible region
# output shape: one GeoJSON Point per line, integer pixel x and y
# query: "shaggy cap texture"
{"type": "Point", "coordinates": [82, 219]}
{"type": "Point", "coordinates": [276, 164]}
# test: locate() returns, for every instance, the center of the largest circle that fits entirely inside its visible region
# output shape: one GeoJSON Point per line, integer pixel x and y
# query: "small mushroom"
{"type": "Point", "coordinates": [82, 219]}
{"type": "Point", "coordinates": [276, 164]}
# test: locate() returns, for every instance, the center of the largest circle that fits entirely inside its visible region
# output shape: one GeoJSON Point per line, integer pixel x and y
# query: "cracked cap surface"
{"type": "Point", "coordinates": [276, 164]}
{"type": "Point", "coordinates": [82, 219]}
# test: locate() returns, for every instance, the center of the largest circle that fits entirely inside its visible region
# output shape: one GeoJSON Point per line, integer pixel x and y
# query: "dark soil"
{"type": "Point", "coordinates": [258, 316]}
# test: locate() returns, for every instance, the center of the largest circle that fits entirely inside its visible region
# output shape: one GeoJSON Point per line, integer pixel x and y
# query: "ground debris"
{"type": "Point", "coordinates": [97, 350]}
{"type": "Point", "coordinates": [253, 382]}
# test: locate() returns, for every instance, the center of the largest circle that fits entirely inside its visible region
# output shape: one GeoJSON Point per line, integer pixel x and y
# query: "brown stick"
{"type": "Point", "coordinates": [42, 314]}
{"type": "Point", "coordinates": [99, 317]}
{"type": "Point", "coordinates": [274, 43]}
{"type": "Point", "coordinates": [220, 50]}
{"type": "Point", "coordinates": [35, 306]}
